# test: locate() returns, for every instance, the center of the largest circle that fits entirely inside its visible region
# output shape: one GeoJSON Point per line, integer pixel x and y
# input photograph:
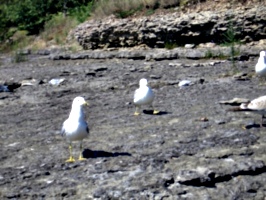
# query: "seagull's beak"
{"type": "Point", "coordinates": [85, 103]}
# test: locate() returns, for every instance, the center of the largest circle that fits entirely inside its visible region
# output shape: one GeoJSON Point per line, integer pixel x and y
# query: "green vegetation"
{"type": "Point", "coordinates": [18, 57]}
{"type": "Point", "coordinates": [51, 20]}
{"type": "Point", "coordinates": [44, 22]}
{"type": "Point", "coordinates": [210, 54]}
{"type": "Point", "coordinates": [170, 45]}
{"type": "Point", "coordinates": [58, 27]}
{"type": "Point", "coordinates": [126, 8]}
{"type": "Point", "coordinates": [233, 42]}
{"type": "Point", "coordinates": [34, 16]}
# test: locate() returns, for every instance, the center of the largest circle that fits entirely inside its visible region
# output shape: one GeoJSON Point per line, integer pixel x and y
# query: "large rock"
{"type": "Point", "coordinates": [173, 29]}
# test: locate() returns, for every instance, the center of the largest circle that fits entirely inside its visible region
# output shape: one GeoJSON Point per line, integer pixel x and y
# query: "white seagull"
{"type": "Point", "coordinates": [75, 128]}
{"type": "Point", "coordinates": [257, 106]}
{"type": "Point", "coordinates": [260, 67]}
{"type": "Point", "coordinates": [143, 96]}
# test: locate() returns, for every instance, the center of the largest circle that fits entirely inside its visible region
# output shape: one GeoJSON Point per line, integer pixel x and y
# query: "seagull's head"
{"type": "Point", "coordinates": [143, 82]}
{"type": "Point", "coordinates": [79, 101]}
{"type": "Point", "coordinates": [263, 54]}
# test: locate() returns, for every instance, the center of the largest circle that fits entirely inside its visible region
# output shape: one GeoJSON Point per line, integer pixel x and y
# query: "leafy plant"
{"type": "Point", "coordinates": [18, 57]}
{"type": "Point", "coordinates": [124, 13]}
{"type": "Point", "coordinates": [149, 12]}
{"type": "Point", "coordinates": [231, 40]}
{"type": "Point", "coordinates": [170, 45]}
{"type": "Point", "coordinates": [58, 28]}
{"type": "Point", "coordinates": [82, 12]}
{"type": "Point", "coordinates": [209, 54]}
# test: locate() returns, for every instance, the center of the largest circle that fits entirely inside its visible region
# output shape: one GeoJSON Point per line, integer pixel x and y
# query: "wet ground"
{"type": "Point", "coordinates": [193, 149]}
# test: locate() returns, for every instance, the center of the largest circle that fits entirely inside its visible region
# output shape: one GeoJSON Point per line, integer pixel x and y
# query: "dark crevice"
{"type": "Point", "coordinates": [211, 180]}
{"type": "Point", "coordinates": [169, 182]}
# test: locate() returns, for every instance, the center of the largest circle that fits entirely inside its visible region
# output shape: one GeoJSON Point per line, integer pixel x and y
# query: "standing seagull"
{"type": "Point", "coordinates": [256, 106]}
{"type": "Point", "coordinates": [75, 128]}
{"type": "Point", "coordinates": [260, 67]}
{"type": "Point", "coordinates": [143, 96]}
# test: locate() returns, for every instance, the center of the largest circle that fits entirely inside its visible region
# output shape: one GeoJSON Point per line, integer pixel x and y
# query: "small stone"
{"type": "Point", "coordinates": [207, 45]}
{"type": "Point", "coordinates": [29, 82]}
{"type": "Point", "coordinates": [56, 81]}
{"type": "Point", "coordinates": [184, 83]}
{"type": "Point", "coordinates": [203, 119]}
{"type": "Point", "coordinates": [176, 64]}
{"type": "Point", "coordinates": [155, 76]}
{"type": "Point", "coordinates": [189, 46]}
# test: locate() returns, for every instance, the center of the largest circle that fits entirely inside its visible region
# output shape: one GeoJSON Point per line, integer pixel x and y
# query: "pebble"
{"type": "Point", "coordinates": [184, 83]}
{"type": "Point", "coordinates": [56, 81]}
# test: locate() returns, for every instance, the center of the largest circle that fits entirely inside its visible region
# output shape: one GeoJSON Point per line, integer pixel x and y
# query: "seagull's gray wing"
{"type": "Point", "coordinates": [63, 131]}
{"type": "Point", "coordinates": [87, 128]}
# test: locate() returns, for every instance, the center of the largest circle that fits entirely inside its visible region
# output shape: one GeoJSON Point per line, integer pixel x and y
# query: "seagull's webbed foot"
{"type": "Point", "coordinates": [71, 159]}
{"type": "Point", "coordinates": [155, 112]}
{"type": "Point", "coordinates": [136, 113]}
{"type": "Point", "coordinates": [81, 155]}
{"type": "Point", "coordinates": [81, 158]}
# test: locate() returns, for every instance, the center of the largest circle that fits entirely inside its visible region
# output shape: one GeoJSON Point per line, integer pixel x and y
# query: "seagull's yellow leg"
{"type": "Point", "coordinates": [137, 111]}
{"type": "Point", "coordinates": [261, 123]}
{"type": "Point", "coordinates": [80, 154]}
{"type": "Point", "coordinates": [71, 159]}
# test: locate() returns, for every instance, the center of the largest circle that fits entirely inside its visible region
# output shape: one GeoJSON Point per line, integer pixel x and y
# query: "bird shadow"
{"type": "Point", "coordinates": [150, 112]}
{"type": "Point", "coordinates": [87, 153]}
{"type": "Point", "coordinates": [254, 126]}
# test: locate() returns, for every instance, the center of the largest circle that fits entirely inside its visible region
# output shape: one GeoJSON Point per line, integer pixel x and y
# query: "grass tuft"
{"type": "Point", "coordinates": [57, 29]}
{"type": "Point", "coordinates": [126, 8]}
{"type": "Point", "coordinates": [19, 56]}
{"type": "Point", "coordinates": [233, 42]}
{"type": "Point", "coordinates": [170, 45]}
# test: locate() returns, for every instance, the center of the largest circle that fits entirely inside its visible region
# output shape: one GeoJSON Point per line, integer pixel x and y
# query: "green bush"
{"type": "Point", "coordinates": [31, 15]}
{"type": "Point", "coordinates": [170, 45]}
{"type": "Point", "coordinates": [58, 27]}
{"type": "Point", "coordinates": [18, 57]}
{"type": "Point", "coordinates": [83, 12]}
{"type": "Point", "coordinates": [231, 40]}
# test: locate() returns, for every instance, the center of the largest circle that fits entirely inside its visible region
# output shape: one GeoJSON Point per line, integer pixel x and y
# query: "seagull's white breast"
{"type": "Point", "coordinates": [260, 67]}
{"type": "Point", "coordinates": [75, 130]}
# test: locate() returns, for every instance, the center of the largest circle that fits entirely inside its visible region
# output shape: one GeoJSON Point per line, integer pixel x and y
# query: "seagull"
{"type": "Point", "coordinates": [75, 128]}
{"type": "Point", "coordinates": [257, 106]}
{"type": "Point", "coordinates": [143, 96]}
{"type": "Point", "coordinates": [260, 67]}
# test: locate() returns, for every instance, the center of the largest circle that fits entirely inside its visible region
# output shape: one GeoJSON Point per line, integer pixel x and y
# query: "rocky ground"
{"type": "Point", "coordinates": [193, 149]}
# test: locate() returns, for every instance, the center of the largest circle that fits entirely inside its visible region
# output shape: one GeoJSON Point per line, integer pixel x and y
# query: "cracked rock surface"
{"type": "Point", "coordinates": [176, 28]}
{"type": "Point", "coordinates": [193, 149]}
